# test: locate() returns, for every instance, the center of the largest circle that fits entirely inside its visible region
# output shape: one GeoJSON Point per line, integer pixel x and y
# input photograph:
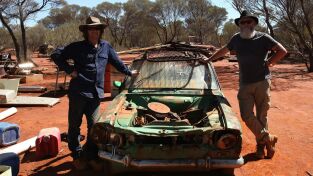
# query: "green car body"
{"type": "Point", "coordinates": [172, 116]}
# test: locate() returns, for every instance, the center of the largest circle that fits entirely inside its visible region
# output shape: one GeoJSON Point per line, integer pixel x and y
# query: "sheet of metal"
{"type": "Point", "coordinates": [31, 101]}
{"type": "Point", "coordinates": [13, 84]}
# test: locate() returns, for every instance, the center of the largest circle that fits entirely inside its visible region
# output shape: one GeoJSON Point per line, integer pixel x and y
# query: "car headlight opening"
{"type": "Point", "coordinates": [116, 140]}
{"type": "Point", "coordinates": [100, 134]}
{"type": "Point", "coordinates": [226, 141]}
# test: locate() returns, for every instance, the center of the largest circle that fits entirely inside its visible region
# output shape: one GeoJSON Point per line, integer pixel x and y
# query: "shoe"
{"type": "Point", "coordinates": [96, 165]}
{"type": "Point", "coordinates": [64, 137]}
{"type": "Point", "coordinates": [270, 142]}
{"type": "Point", "coordinates": [260, 154]}
{"type": "Point", "coordinates": [80, 164]}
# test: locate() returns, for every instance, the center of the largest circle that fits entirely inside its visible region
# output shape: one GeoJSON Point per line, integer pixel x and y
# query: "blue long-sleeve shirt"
{"type": "Point", "coordinates": [90, 64]}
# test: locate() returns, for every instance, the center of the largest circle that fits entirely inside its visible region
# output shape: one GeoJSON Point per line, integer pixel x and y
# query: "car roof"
{"type": "Point", "coordinates": [176, 52]}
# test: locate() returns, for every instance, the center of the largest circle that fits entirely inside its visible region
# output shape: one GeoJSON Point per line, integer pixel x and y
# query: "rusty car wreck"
{"type": "Point", "coordinates": [172, 116]}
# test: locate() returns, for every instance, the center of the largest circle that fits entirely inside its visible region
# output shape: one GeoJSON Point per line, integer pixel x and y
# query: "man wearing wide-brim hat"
{"type": "Point", "coordinates": [92, 22]}
{"type": "Point", "coordinates": [86, 88]}
{"type": "Point", "coordinates": [252, 49]}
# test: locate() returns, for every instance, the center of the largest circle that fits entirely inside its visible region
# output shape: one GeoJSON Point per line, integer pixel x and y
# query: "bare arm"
{"type": "Point", "coordinates": [220, 53]}
{"type": "Point", "coordinates": [280, 52]}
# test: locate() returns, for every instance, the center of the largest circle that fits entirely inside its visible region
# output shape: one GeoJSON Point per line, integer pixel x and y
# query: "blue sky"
{"type": "Point", "coordinates": [221, 3]}
{"type": "Point", "coordinates": [232, 14]}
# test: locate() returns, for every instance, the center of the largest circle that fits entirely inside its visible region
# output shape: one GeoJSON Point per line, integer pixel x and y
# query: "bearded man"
{"type": "Point", "coordinates": [252, 48]}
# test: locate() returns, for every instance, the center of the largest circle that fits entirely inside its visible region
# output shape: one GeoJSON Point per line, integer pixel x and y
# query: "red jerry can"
{"type": "Point", "coordinates": [48, 142]}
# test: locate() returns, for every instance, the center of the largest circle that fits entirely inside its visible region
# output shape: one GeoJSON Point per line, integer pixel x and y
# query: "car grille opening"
{"type": "Point", "coordinates": [190, 139]}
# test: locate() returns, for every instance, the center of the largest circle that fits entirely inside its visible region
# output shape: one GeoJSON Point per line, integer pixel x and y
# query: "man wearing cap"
{"type": "Point", "coordinates": [90, 58]}
{"type": "Point", "coordinates": [252, 48]}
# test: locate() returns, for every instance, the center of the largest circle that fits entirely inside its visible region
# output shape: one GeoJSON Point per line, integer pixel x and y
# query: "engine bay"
{"type": "Point", "coordinates": [188, 114]}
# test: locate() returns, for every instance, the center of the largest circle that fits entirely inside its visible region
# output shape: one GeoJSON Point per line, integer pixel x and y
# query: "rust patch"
{"type": "Point", "coordinates": [119, 105]}
{"type": "Point", "coordinates": [126, 113]}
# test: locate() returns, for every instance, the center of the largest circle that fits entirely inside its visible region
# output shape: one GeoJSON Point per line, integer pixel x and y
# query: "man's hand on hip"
{"type": "Point", "coordinates": [280, 52]}
{"type": "Point", "coordinates": [74, 74]}
{"type": "Point", "coordinates": [269, 63]}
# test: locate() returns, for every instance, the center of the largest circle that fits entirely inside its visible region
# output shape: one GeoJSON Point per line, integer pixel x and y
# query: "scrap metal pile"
{"type": "Point", "coordinates": [12, 67]}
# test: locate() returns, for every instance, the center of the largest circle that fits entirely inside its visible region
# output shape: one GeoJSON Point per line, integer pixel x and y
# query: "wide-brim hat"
{"type": "Point", "coordinates": [246, 14]}
{"type": "Point", "coordinates": [92, 22]}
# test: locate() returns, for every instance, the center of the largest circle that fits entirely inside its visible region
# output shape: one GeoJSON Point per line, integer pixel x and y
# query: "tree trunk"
{"type": "Point", "coordinates": [113, 34]}
{"type": "Point", "coordinates": [16, 45]}
{"type": "Point", "coordinates": [307, 20]}
{"type": "Point", "coordinates": [200, 36]}
{"type": "Point", "coordinates": [158, 33]}
{"type": "Point", "coordinates": [24, 45]}
{"type": "Point", "coordinates": [24, 41]}
{"type": "Point", "coordinates": [311, 62]}
{"type": "Point", "coordinates": [267, 19]}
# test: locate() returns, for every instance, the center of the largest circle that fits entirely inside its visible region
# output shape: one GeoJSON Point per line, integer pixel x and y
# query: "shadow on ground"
{"type": "Point", "coordinates": [51, 168]}
{"type": "Point", "coordinates": [54, 94]}
{"type": "Point", "coordinates": [250, 157]}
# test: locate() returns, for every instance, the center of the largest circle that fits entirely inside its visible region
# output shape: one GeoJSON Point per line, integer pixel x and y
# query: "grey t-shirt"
{"type": "Point", "coordinates": [252, 54]}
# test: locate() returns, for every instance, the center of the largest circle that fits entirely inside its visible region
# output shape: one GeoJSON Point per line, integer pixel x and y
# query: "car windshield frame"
{"type": "Point", "coordinates": [190, 70]}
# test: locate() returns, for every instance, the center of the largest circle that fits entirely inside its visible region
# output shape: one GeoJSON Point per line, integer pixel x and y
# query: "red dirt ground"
{"type": "Point", "coordinates": [290, 117]}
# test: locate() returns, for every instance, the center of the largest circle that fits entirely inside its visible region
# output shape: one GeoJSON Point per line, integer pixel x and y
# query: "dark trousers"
{"type": "Point", "coordinates": [78, 106]}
